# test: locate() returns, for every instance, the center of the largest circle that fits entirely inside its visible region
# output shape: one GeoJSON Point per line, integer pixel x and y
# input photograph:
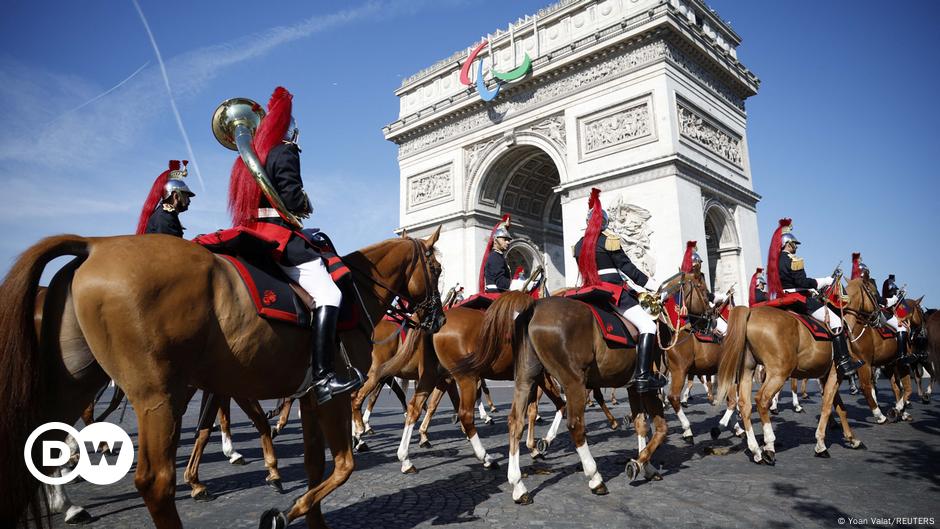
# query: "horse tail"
{"type": "Point", "coordinates": [403, 354]}
{"type": "Point", "coordinates": [732, 351]}
{"type": "Point", "coordinates": [21, 374]}
{"type": "Point", "coordinates": [498, 328]}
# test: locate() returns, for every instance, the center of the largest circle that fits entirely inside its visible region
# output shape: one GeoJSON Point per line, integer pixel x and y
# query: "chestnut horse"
{"type": "Point", "coordinates": [116, 312]}
{"type": "Point", "coordinates": [690, 357]}
{"type": "Point", "coordinates": [785, 347]}
{"type": "Point", "coordinates": [559, 337]}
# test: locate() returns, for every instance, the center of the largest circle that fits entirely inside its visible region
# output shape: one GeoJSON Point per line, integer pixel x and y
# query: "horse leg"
{"type": "Point", "coordinates": [803, 391]}
{"type": "Point", "coordinates": [282, 418]}
{"type": "Point", "coordinates": [549, 388]}
{"type": "Point", "coordinates": [707, 380]}
{"type": "Point", "coordinates": [433, 403]}
{"type": "Point", "coordinates": [468, 393]}
{"type": "Point", "coordinates": [577, 395]}
{"type": "Point", "coordinates": [830, 389]}
{"type": "Point", "coordinates": [744, 401]}
{"type": "Point", "coordinates": [654, 408]}
{"type": "Point", "coordinates": [771, 386]}
{"type": "Point", "coordinates": [59, 502]}
{"type": "Point", "coordinates": [675, 386]}
{"type": "Point", "coordinates": [847, 434]}
{"type": "Point", "coordinates": [487, 396]}
{"type": "Point", "coordinates": [479, 397]}
{"type": "Point", "coordinates": [794, 383]}
{"type": "Point", "coordinates": [532, 412]}
{"type": "Point", "coordinates": [360, 421]}
{"type": "Point", "coordinates": [399, 392]}
{"type": "Point", "coordinates": [199, 492]}
{"type": "Point", "coordinates": [426, 382]}
{"type": "Point", "coordinates": [225, 427]}
{"type": "Point", "coordinates": [687, 389]}
{"type": "Point", "coordinates": [158, 424]}
{"type": "Point", "coordinates": [520, 398]}
{"type": "Point", "coordinates": [611, 421]}
{"type": "Point", "coordinates": [906, 395]}
{"type": "Point", "coordinates": [252, 409]}
{"type": "Point", "coordinates": [868, 391]}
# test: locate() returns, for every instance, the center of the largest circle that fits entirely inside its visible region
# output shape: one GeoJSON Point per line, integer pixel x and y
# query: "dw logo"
{"type": "Point", "coordinates": [93, 467]}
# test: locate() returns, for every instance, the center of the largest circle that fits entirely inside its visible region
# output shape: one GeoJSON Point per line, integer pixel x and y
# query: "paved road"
{"type": "Point", "coordinates": [898, 476]}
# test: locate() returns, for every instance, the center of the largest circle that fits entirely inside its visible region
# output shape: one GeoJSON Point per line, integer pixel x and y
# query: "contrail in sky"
{"type": "Point", "coordinates": [108, 91]}
{"type": "Point", "coordinates": [166, 81]}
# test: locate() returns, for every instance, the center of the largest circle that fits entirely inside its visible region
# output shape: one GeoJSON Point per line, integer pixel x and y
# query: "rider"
{"type": "Point", "coordinates": [786, 274]}
{"type": "Point", "coordinates": [169, 196]}
{"type": "Point", "coordinates": [603, 262]}
{"type": "Point", "coordinates": [887, 300]}
{"type": "Point", "coordinates": [275, 144]}
{"type": "Point", "coordinates": [692, 264]}
{"type": "Point", "coordinates": [495, 276]}
{"type": "Point", "coordinates": [758, 293]}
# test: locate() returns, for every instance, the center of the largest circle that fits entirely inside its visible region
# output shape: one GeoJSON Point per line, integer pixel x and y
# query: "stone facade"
{"type": "Point", "coordinates": [640, 98]}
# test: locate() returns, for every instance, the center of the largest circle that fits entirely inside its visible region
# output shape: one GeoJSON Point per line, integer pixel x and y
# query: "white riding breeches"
{"type": "Point", "coordinates": [313, 277]}
{"type": "Point", "coordinates": [641, 319]}
{"type": "Point", "coordinates": [894, 324]}
{"type": "Point", "coordinates": [835, 322]}
{"type": "Point", "coordinates": [721, 325]}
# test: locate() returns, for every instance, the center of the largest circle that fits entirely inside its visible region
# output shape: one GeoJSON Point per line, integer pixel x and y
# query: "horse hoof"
{"type": "Point", "coordinates": [774, 411]}
{"type": "Point", "coordinates": [81, 518]}
{"type": "Point", "coordinates": [370, 431]}
{"type": "Point", "coordinates": [425, 444]}
{"type": "Point", "coordinates": [799, 409]}
{"type": "Point", "coordinates": [537, 455]}
{"type": "Point", "coordinates": [203, 496]}
{"type": "Point", "coordinates": [614, 425]}
{"type": "Point", "coordinates": [769, 458]}
{"type": "Point", "coordinates": [273, 519]}
{"type": "Point", "coordinates": [525, 499]}
{"type": "Point", "coordinates": [410, 470]}
{"type": "Point", "coordinates": [362, 447]}
{"type": "Point", "coordinates": [539, 419]}
{"type": "Point", "coordinates": [491, 465]}
{"type": "Point", "coordinates": [855, 444]}
{"type": "Point", "coordinates": [684, 404]}
{"type": "Point", "coordinates": [907, 417]}
{"type": "Point", "coordinates": [274, 433]}
{"type": "Point", "coordinates": [651, 473]}
{"type": "Point", "coordinates": [600, 490]}
{"type": "Point", "coordinates": [633, 470]}
{"type": "Point", "coordinates": [542, 446]}
{"type": "Point", "coordinates": [824, 454]}
{"type": "Point", "coordinates": [239, 461]}
{"type": "Point", "coordinates": [715, 432]}
{"type": "Point", "coordinates": [493, 409]}
{"type": "Point", "coordinates": [488, 421]}
{"type": "Point", "coordinates": [689, 440]}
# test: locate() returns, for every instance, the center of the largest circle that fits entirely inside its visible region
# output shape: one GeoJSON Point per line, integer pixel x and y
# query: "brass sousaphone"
{"type": "Point", "coordinates": [234, 124]}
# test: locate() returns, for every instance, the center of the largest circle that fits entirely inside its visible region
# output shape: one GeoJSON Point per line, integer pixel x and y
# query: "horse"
{"type": "Point", "coordinates": [900, 376]}
{"type": "Point", "coordinates": [932, 332]}
{"type": "Point", "coordinates": [775, 339]}
{"type": "Point", "coordinates": [862, 316]}
{"type": "Point", "coordinates": [687, 357]}
{"type": "Point", "coordinates": [559, 337]}
{"type": "Point", "coordinates": [115, 312]}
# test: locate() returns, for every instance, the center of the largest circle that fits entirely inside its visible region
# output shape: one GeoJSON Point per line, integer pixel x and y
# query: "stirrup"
{"type": "Point", "coordinates": [848, 367]}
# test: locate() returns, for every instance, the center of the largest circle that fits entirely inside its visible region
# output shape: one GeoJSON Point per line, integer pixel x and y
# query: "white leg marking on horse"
{"type": "Point", "coordinates": [553, 429]}
{"type": "Point", "coordinates": [229, 449]}
{"type": "Point", "coordinates": [403, 447]}
{"type": "Point", "coordinates": [515, 476]}
{"type": "Point", "coordinates": [640, 444]}
{"type": "Point", "coordinates": [726, 418]}
{"type": "Point", "coordinates": [72, 512]}
{"type": "Point", "coordinates": [879, 417]}
{"type": "Point", "coordinates": [482, 411]}
{"type": "Point", "coordinates": [874, 396]}
{"type": "Point", "coordinates": [900, 405]}
{"type": "Point", "coordinates": [479, 451]}
{"type": "Point", "coordinates": [769, 437]}
{"type": "Point", "coordinates": [820, 446]}
{"type": "Point", "coordinates": [589, 466]}
{"type": "Point", "coordinates": [737, 428]}
{"type": "Point", "coordinates": [365, 417]}
{"type": "Point", "coordinates": [773, 402]}
{"type": "Point", "coordinates": [752, 444]}
{"type": "Point", "coordinates": [796, 400]}
{"type": "Point", "coordinates": [686, 426]}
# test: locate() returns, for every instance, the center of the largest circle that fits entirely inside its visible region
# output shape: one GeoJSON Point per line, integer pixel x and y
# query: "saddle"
{"type": "Point", "coordinates": [617, 331]}
{"type": "Point", "coordinates": [481, 301]}
{"type": "Point", "coordinates": [794, 304]}
{"type": "Point", "coordinates": [275, 296]}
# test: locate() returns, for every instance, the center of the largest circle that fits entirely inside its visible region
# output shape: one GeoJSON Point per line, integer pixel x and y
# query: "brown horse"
{"type": "Point", "coordinates": [775, 339]}
{"type": "Point", "coordinates": [932, 330]}
{"type": "Point", "coordinates": [901, 376]}
{"type": "Point", "coordinates": [559, 337]}
{"type": "Point", "coordinates": [115, 312]}
{"type": "Point", "coordinates": [688, 357]}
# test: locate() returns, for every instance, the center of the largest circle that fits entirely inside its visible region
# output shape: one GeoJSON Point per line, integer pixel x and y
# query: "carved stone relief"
{"type": "Point", "coordinates": [430, 187]}
{"type": "Point", "coordinates": [554, 128]}
{"type": "Point", "coordinates": [704, 132]}
{"type": "Point", "coordinates": [616, 128]}
{"type": "Point", "coordinates": [631, 223]}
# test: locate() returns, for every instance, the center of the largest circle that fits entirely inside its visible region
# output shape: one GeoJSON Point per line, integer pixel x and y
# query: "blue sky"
{"type": "Point", "coordinates": [841, 134]}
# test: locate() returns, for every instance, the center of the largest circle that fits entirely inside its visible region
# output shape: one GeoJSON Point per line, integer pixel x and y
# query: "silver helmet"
{"type": "Point", "coordinates": [788, 237]}
{"type": "Point", "coordinates": [292, 133]}
{"type": "Point", "coordinates": [696, 258]}
{"type": "Point", "coordinates": [761, 281]}
{"type": "Point", "coordinates": [501, 232]}
{"type": "Point", "coordinates": [587, 219]}
{"type": "Point", "coordinates": [174, 185]}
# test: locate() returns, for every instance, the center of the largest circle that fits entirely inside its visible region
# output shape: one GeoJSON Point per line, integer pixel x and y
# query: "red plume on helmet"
{"type": "Point", "coordinates": [243, 192]}
{"type": "Point", "coordinates": [856, 270]}
{"type": "Point", "coordinates": [153, 199]}
{"type": "Point", "coordinates": [752, 292]}
{"type": "Point", "coordinates": [587, 260]}
{"type": "Point", "coordinates": [774, 287]}
{"type": "Point", "coordinates": [489, 245]}
{"type": "Point", "coordinates": [687, 258]}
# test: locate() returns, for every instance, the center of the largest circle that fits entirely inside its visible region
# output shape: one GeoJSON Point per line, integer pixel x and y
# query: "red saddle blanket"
{"type": "Point", "coordinates": [817, 328]}
{"type": "Point", "coordinates": [616, 332]}
{"type": "Point", "coordinates": [481, 301]}
{"type": "Point", "coordinates": [707, 337]}
{"type": "Point", "coordinates": [887, 333]}
{"type": "Point", "coordinates": [796, 301]}
{"type": "Point", "coordinates": [251, 255]}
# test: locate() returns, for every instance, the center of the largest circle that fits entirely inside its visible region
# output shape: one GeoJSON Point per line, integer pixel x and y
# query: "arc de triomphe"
{"type": "Point", "coordinates": [643, 99]}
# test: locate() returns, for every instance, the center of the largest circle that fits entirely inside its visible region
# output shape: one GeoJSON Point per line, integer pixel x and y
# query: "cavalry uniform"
{"type": "Point", "coordinates": [886, 300]}
{"type": "Point", "coordinates": [168, 195]}
{"type": "Point", "coordinates": [606, 266]}
{"type": "Point", "coordinates": [496, 275]}
{"type": "Point", "coordinates": [756, 292]}
{"type": "Point", "coordinates": [276, 147]}
{"type": "Point", "coordinates": [692, 264]}
{"type": "Point", "coordinates": [786, 274]}
{"type": "Point", "coordinates": [165, 219]}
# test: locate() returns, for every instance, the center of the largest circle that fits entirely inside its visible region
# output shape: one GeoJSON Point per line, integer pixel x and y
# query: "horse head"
{"type": "Point", "coordinates": [861, 297]}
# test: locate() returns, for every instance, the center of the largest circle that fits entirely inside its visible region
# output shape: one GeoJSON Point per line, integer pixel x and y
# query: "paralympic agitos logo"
{"type": "Point", "coordinates": [487, 94]}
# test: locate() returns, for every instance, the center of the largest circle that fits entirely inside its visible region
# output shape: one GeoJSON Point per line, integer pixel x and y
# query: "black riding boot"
{"type": "Point", "coordinates": [643, 379]}
{"type": "Point", "coordinates": [840, 352]}
{"type": "Point", "coordinates": [903, 358]}
{"type": "Point", "coordinates": [321, 377]}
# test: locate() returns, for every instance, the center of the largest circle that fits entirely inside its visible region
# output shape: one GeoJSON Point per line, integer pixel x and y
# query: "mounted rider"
{"type": "Point", "coordinates": [692, 264]}
{"type": "Point", "coordinates": [495, 276]}
{"type": "Point", "coordinates": [887, 301]}
{"type": "Point", "coordinates": [786, 274]}
{"type": "Point", "coordinates": [603, 262]}
{"type": "Point", "coordinates": [758, 290]}
{"type": "Point", "coordinates": [169, 196]}
{"type": "Point", "coordinates": [275, 144]}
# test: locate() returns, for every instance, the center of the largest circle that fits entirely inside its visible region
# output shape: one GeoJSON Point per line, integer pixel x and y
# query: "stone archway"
{"type": "Point", "coordinates": [723, 247]}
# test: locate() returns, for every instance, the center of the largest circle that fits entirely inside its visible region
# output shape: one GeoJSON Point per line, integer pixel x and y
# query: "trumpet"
{"type": "Point", "coordinates": [651, 303]}
{"type": "Point", "coordinates": [233, 124]}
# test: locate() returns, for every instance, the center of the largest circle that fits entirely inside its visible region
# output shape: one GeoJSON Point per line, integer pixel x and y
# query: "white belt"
{"type": "Point", "coordinates": [268, 213]}
{"type": "Point", "coordinates": [608, 271]}
{"type": "Point", "coordinates": [494, 287]}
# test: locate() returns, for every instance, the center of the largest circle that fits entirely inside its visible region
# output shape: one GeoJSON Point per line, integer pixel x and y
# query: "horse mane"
{"type": "Point", "coordinates": [496, 331]}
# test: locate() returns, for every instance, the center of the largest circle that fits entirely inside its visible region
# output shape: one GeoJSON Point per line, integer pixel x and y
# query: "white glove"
{"type": "Point", "coordinates": [516, 284]}
{"type": "Point", "coordinates": [651, 284]}
{"type": "Point", "coordinates": [891, 301]}
{"type": "Point", "coordinates": [719, 298]}
{"type": "Point", "coordinates": [823, 282]}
